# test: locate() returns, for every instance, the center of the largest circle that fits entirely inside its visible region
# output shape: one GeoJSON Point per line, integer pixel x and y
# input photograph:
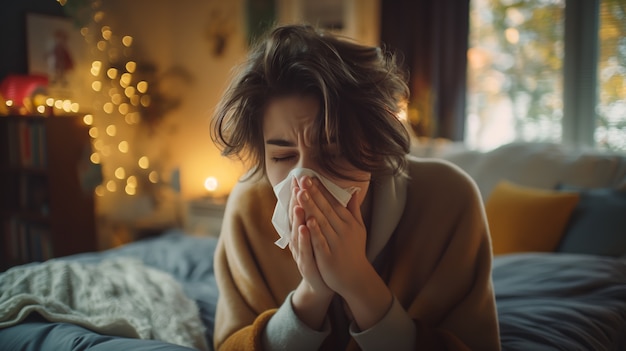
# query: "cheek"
{"type": "Point", "coordinates": [276, 172]}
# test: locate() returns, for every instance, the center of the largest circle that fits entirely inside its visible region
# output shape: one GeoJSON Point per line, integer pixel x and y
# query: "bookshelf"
{"type": "Point", "coordinates": [45, 211]}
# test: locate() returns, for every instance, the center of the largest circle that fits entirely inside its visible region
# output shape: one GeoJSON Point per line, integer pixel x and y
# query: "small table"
{"type": "Point", "coordinates": [203, 216]}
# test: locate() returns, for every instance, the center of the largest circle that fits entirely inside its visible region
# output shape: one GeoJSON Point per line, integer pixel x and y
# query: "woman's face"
{"type": "Point", "coordinates": [289, 142]}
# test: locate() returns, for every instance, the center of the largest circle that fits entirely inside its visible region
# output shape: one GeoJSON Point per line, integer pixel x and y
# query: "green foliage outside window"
{"type": "Point", "coordinates": [611, 110]}
{"type": "Point", "coordinates": [515, 75]}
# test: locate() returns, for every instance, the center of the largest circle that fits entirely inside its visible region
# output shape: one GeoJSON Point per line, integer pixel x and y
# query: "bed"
{"type": "Point", "coordinates": [546, 301]}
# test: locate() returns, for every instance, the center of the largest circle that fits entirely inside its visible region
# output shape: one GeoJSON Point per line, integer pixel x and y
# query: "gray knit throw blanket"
{"type": "Point", "coordinates": [120, 297]}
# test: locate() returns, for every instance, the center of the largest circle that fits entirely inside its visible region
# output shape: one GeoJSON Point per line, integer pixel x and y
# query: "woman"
{"type": "Point", "coordinates": [404, 264]}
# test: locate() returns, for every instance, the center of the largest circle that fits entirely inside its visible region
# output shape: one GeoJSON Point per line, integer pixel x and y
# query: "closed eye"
{"type": "Point", "coordinates": [283, 159]}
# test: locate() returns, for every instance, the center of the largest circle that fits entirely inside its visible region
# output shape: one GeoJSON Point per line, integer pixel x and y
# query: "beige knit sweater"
{"type": "Point", "coordinates": [429, 232]}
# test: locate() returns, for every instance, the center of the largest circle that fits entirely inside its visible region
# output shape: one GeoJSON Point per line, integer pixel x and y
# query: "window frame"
{"type": "Point", "coordinates": [580, 66]}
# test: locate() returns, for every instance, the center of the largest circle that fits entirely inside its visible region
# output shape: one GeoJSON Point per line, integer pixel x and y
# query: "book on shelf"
{"type": "Point", "coordinates": [26, 241]}
{"type": "Point", "coordinates": [26, 140]}
{"type": "Point", "coordinates": [33, 196]}
{"type": "Point", "coordinates": [45, 210]}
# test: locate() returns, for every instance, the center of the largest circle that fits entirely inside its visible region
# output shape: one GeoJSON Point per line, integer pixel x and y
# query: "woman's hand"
{"type": "Point", "coordinates": [338, 236]}
{"type": "Point", "coordinates": [312, 296]}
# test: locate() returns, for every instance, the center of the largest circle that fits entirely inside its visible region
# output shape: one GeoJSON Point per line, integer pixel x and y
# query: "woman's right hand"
{"type": "Point", "coordinates": [312, 296]}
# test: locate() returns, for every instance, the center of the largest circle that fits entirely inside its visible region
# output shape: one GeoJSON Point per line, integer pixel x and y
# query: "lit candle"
{"type": "Point", "coordinates": [210, 184]}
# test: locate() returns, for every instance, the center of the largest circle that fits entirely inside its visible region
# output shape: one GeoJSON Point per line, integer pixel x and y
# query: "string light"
{"type": "Point", "coordinates": [153, 177]}
{"type": "Point", "coordinates": [131, 66]}
{"type": "Point", "coordinates": [118, 94]}
{"type": "Point", "coordinates": [88, 119]}
{"type": "Point", "coordinates": [111, 130]}
{"type": "Point", "coordinates": [111, 186]}
{"type": "Point", "coordinates": [143, 162]}
{"type": "Point", "coordinates": [127, 40]}
{"type": "Point", "coordinates": [123, 146]}
{"type": "Point", "coordinates": [120, 173]}
{"type": "Point", "coordinates": [142, 87]}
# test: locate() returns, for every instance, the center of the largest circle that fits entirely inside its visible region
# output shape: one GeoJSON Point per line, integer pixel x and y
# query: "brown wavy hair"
{"type": "Point", "coordinates": [359, 88]}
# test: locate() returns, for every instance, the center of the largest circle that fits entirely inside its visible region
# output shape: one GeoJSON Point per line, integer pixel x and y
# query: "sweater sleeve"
{"type": "Point", "coordinates": [396, 331]}
{"type": "Point", "coordinates": [285, 331]}
{"type": "Point", "coordinates": [441, 271]}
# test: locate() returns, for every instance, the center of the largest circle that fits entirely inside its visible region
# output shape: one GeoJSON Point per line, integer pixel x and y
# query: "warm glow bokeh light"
{"type": "Point", "coordinates": [123, 108]}
{"type": "Point", "coordinates": [131, 66]}
{"type": "Point", "coordinates": [143, 162]}
{"type": "Point", "coordinates": [153, 177]}
{"type": "Point", "coordinates": [130, 190]}
{"type": "Point", "coordinates": [123, 146]}
{"type": "Point", "coordinates": [210, 184]}
{"type": "Point", "coordinates": [111, 130]}
{"type": "Point", "coordinates": [142, 86]}
{"type": "Point", "coordinates": [111, 186]}
{"type": "Point", "coordinates": [120, 173]}
{"type": "Point", "coordinates": [127, 40]}
{"type": "Point", "coordinates": [88, 119]}
{"type": "Point", "coordinates": [95, 158]}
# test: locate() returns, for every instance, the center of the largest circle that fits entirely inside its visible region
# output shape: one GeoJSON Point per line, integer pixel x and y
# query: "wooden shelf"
{"type": "Point", "coordinates": [45, 212]}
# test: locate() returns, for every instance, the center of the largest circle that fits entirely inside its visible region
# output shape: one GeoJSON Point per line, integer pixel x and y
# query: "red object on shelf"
{"type": "Point", "coordinates": [16, 87]}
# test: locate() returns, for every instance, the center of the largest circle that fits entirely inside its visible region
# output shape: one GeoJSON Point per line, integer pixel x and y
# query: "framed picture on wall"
{"type": "Point", "coordinates": [56, 49]}
{"type": "Point", "coordinates": [359, 20]}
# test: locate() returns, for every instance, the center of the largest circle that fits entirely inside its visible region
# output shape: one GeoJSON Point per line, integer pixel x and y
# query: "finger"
{"type": "Point", "coordinates": [298, 220]}
{"type": "Point", "coordinates": [292, 199]}
{"type": "Point", "coordinates": [314, 183]}
{"type": "Point", "coordinates": [304, 248]}
{"type": "Point", "coordinates": [321, 197]}
{"type": "Point", "coordinates": [317, 205]}
{"type": "Point", "coordinates": [355, 208]}
{"type": "Point", "coordinates": [313, 211]}
{"type": "Point", "coordinates": [321, 246]}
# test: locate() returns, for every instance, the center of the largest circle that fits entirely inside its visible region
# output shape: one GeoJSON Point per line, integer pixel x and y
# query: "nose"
{"type": "Point", "coordinates": [307, 160]}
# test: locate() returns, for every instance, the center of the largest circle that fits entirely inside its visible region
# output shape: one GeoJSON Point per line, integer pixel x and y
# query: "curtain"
{"type": "Point", "coordinates": [431, 37]}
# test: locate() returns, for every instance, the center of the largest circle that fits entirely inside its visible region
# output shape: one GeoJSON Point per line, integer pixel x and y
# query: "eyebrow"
{"type": "Point", "coordinates": [280, 142]}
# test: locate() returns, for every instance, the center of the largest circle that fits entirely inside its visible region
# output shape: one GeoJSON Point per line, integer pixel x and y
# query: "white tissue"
{"type": "Point", "coordinates": [283, 191]}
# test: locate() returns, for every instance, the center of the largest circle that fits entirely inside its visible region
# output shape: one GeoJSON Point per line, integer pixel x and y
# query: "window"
{"type": "Point", "coordinates": [610, 131]}
{"type": "Point", "coordinates": [519, 51]}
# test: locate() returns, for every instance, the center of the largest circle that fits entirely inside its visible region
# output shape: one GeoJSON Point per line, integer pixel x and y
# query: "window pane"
{"type": "Point", "coordinates": [610, 132]}
{"type": "Point", "coordinates": [515, 61]}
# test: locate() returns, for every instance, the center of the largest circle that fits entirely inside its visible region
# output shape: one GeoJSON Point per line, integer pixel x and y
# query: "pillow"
{"type": "Point", "coordinates": [598, 223]}
{"type": "Point", "coordinates": [524, 219]}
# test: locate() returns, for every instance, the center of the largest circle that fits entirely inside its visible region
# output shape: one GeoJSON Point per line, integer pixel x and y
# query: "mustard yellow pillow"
{"type": "Point", "coordinates": [523, 219]}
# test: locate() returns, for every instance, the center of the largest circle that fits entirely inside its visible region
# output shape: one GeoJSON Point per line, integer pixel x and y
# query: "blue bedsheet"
{"type": "Point", "coordinates": [545, 301]}
{"type": "Point", "coordinates": [552, 301]}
